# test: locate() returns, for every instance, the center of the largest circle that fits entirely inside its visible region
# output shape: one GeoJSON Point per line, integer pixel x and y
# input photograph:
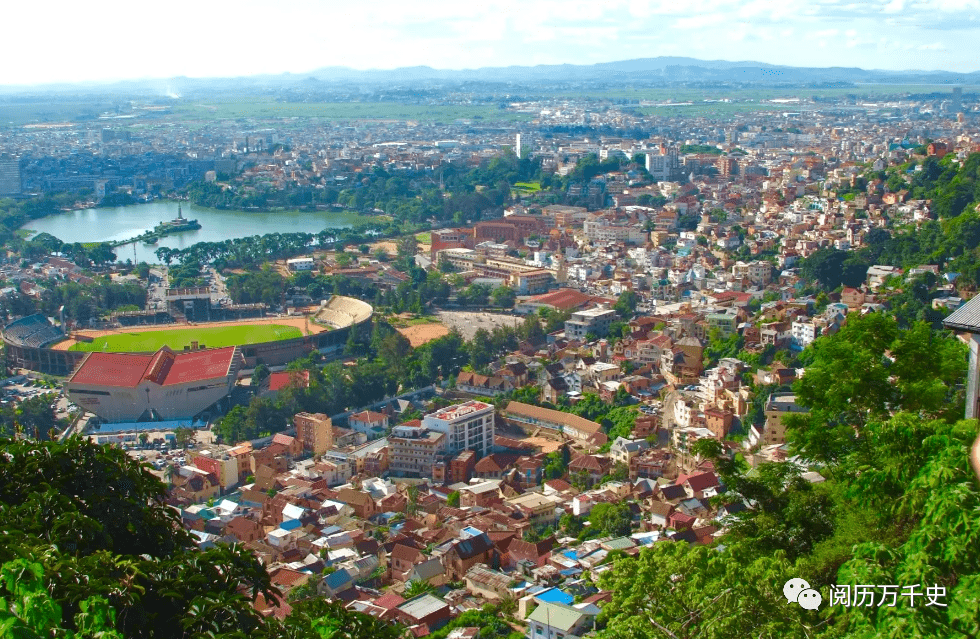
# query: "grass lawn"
{"type": "Point", "coordinates": [406, 320]}
{"type": "Point", "coordinates": [424, 238]}
{"type": "Point", "coordinates": [531, 187]}
{"type": "Point", "coordinates": [212, 337]}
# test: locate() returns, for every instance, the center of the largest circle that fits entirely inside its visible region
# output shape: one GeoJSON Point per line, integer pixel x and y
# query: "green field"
{"type": "Point", "coordinates": [177, 339]}
{"type": "Point", "coordinates": [530, 187]}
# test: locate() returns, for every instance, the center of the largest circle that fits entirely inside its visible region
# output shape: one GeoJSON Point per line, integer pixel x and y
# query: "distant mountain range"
{"type": "Point", "coordinates": [661, 70]}
{"type": "Point", "coordinates": [667, 69]}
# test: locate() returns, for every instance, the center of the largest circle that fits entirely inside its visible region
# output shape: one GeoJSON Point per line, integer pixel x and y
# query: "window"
{"type": "Point", "coordinates": [540, 630]}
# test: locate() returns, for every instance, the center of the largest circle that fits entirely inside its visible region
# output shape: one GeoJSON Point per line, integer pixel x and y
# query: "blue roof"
{"type": "Point", "coordinates": [571, 554]}
{"type": "Point", "coordinates": [290, 524]}
{"type": "Point", "coordinates": [555, 595]}
{"type": "Point", "coordinates": [338, 579]}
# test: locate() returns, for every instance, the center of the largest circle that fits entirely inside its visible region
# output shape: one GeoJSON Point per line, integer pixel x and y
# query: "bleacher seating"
{"type": "Point", "coordinates": [340, 312]}
{"type": "Point", "coordinates": [33, 331]}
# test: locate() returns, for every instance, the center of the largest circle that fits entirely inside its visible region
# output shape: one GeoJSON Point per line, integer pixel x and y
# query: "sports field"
{"type": "Point", "coordinates": [176, 339]}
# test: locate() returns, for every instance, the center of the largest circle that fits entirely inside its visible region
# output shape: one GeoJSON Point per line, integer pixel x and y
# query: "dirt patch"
{"type": "Point", "coordinates": [423, 333]}
{"type": "Point", "coordinates": [547, 445]}
{"type": "Point", "coordinates": [391, 248]}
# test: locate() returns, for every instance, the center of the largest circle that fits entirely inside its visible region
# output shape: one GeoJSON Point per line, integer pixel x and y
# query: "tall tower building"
{"type": "Point", "coordinates": [9, 175]}
{"type": "Point", "coordinates": [956, 102]}
{"type": "Point", "coordinates": [522, 145]}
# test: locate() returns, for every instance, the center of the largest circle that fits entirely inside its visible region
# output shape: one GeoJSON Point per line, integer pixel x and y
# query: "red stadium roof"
{"type": "Point", "coordinates": [164, 367]}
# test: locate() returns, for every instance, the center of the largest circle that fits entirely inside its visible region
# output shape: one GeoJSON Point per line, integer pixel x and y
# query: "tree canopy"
{"type": "Point", "coordinates": [88, 549]}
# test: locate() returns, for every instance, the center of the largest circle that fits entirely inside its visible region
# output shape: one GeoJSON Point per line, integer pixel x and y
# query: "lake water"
{"type": "Point", "coordinates": [124, 222]}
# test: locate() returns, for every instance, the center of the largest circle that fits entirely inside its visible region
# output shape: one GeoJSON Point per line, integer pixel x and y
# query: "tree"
{"type": "Point", "coordinates": [611, 519]}
{"type": "Point", "coordinates": [261, 371]}
{"type": "Point", "coordinates": [504, 296]}
{"type": "Point", "coordinates": [417, 587]}
{"type": "Point", "coordinates": [452, 500]}
{"type": "Point", "coordinates": [676, 591]}
{"type": "Point", "coordinates": [865, 372]}
{"type": "Point", "coordinates": [626, 304]}
{"type": "Point", "coordinates": [184, 436]}
{"type": "Point", "coordinates": [95, 522]}
{"type": "Point", "coordinates": [316, 617]}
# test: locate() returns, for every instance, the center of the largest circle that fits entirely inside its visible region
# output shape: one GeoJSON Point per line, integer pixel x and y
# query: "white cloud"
{"type": "Point", "coordinates": [116, 39]}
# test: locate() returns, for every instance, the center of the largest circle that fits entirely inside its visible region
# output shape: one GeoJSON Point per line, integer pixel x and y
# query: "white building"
{"type": "Point", "coordinates": [300, 264]}
{"type": "Point", "coordinates": [804, 333]}
{"type": "Point", "coordinates": [467, 426]}
{"type": "Point", "coordinates": [593, 320]}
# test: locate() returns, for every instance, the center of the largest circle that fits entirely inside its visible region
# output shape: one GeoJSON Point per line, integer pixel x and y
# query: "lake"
{"type": "Point", "coordinates": [124, 222]}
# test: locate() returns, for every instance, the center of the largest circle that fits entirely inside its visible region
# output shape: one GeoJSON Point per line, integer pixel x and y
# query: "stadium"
{"type": "Point", "coordinates": [35, 343]}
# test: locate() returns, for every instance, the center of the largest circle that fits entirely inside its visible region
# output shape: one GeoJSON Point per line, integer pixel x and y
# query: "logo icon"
{"type": "Point", "coordinates": [793, 588]}
{"type": "Point", "coordinates": [809, 599]}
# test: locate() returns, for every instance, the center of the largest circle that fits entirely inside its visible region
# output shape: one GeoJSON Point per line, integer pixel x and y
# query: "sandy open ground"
{"type": "Point", "coordinates": [423, 333]}
{"type": "Point", "coordinates": [547, 445]}
{"type": "Point", "coordinates": [308, 328]}
{"type": "Point", "coordinates": [469, 322]}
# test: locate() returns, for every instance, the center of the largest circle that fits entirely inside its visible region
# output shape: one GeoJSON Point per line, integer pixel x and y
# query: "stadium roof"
{"type": "Point", "coordinates": [165, 368]}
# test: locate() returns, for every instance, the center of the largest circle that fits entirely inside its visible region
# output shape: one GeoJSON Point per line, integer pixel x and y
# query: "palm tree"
{"type": "Point", "coordinates": [169, 472]}
{"type": "Point", "coordinates": [417, 587]}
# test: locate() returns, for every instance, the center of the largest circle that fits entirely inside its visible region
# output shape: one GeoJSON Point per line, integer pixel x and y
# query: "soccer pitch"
{"type": "Point", "coordinates": [177, 339]}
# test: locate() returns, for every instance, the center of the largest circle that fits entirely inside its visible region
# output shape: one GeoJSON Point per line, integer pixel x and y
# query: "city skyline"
{"type": "Point", "coordinates": [117, 42]}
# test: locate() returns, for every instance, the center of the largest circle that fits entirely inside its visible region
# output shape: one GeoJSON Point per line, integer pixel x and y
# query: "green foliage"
{"type": "Point", "coordinates": [264, 286]}
{"type": "Point", "coordinates": [869, 369]}
{"type": "Point", "coordinates": [452, 499]}
{"type": "Point", "coordinates": [898, 506]}
{"type": "Point", "coordinates": [504, 296]}
{"type": "Point", "coordinates": [626, 304]}
{"type": "Point", "coordinates": [417, 587]}
{"type": "Point", "coordinates": [610, 519]}
{"type": "Point", "coordinates": [673, 591]}
{"type": "Point", "coordinates": [830, 268]}
{"type": "Point", "coordinates": [319, 619]}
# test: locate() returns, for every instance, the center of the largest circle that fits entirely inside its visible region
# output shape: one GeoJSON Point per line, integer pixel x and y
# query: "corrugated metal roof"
{"type": "Point", "coordinates": [966, 317]}
{"type": "Point", "coordinates": [556, 616]}
{"type": "Point", "coordinates": [422, 606]}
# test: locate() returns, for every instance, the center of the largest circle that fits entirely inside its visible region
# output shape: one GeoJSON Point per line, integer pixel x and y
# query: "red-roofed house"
{"type": "Point", "coordinates": [130, 387]}
{"type": "Point", "coordinates": [369, 422]}
{"type": "Point", "coordinates": [294, 447]}
{"type": "Point", "coordinates": [285, 379]}
{"type": "Point", "coordinates": [700, 485]}
{"type": "Point", "coordinates": [537, 553]}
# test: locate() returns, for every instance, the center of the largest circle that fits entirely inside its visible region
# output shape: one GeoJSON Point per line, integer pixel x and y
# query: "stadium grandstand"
{"type": "Point", "coordinates": [33, 331]}
{"type": "Point", "coordinates": [26, 342]}
{"type": "Point", "coordinates": [133, 387]}
{"type": "Point", "coordinates": [341, 312]}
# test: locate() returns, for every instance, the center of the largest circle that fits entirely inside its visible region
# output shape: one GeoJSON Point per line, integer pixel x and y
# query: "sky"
{"type": "Point", "coordinates": [71, 41]}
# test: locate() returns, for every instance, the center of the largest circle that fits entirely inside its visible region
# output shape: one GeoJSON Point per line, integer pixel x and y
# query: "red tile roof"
{"type": "Point", "coordinates": [281, 379]}
{"type": "Point", "coordinates": [165, 368]}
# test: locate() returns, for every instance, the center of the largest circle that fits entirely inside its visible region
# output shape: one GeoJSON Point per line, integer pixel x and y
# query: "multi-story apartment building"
{"type": "Point", "coordinates": [414, 449]}
{"type": "Point", "coordinates": [315, 431]}
{"type": "Point", "coordinates": [594, 320]}
{"type": "Point", "coordinates": [600, 230]}
{"type": "Point", "coordinates": [803, 334]}
{"type": "Point", "coordinates": [467, 426]}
